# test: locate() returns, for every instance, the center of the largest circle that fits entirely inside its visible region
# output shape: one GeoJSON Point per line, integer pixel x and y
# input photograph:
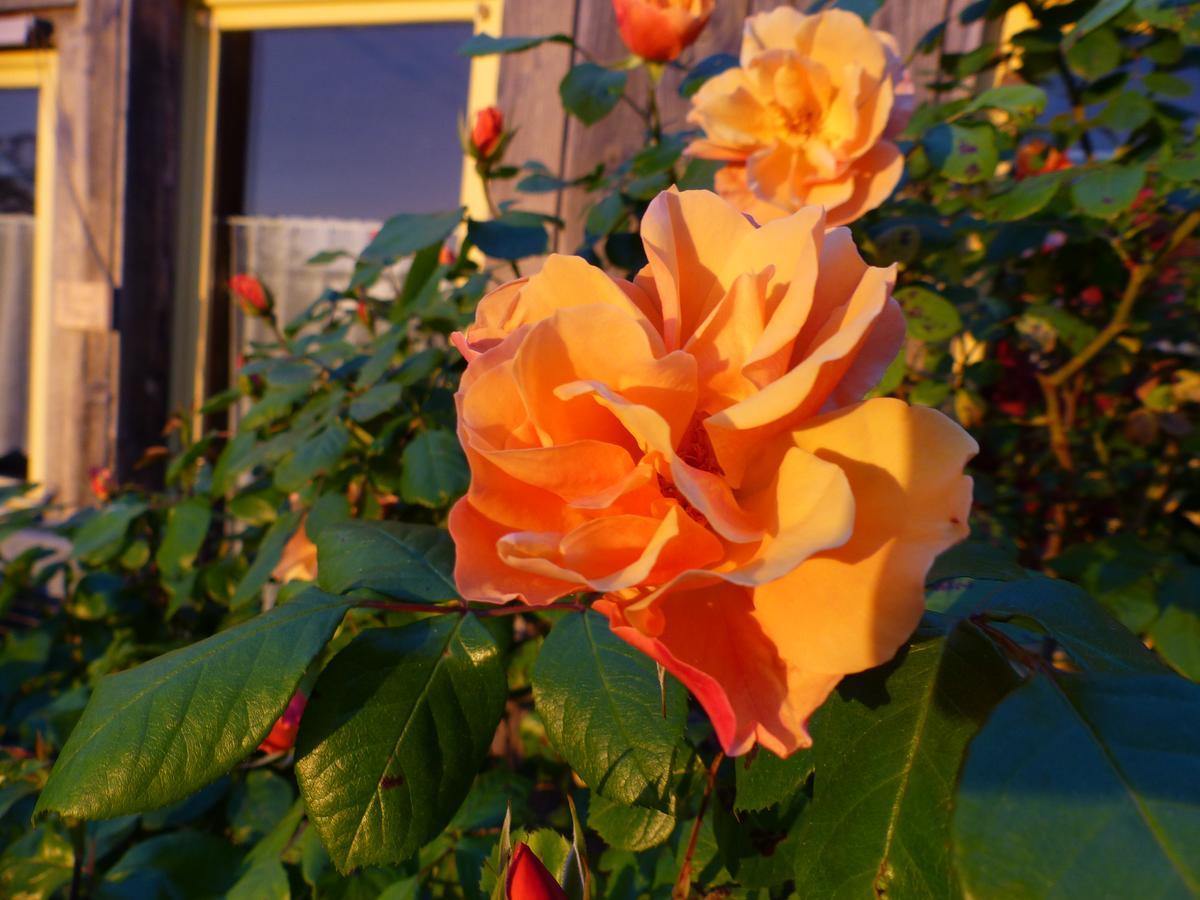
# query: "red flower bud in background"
{"type": "Point", "coordinates": [1036, 157]}
{"type": "Point", "coordinates": [447, 256]}
{"type": "Point", "coordinates": [250, 295]}
{"type": "Point", "coordinates": [1091, 296]}
{"type": "Point", "coordinates": [528, 879]}
{"type": "Point", "coordinates": [101, 482]}
{"type": "Point", "coordinates": [659, 30]}
{"type": "Point", "coordinates": [283, 733]}
{"type": "Point", "coordinates": [363, 311]}
{"type": "Point", "coordinates": [488, 130]}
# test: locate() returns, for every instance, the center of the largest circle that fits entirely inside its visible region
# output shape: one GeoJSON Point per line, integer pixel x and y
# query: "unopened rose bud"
{"type": "Point", "coordinates": [363, 311]}
{"type": "Point", "coordinates": [250, 295]}
{"type": "Point", "coordinates": [529, 879]}
{"type": "Point", "coordinates": [447, 256]}
{"type": "Point", "coordinates": [488, 131]}
{"type": "Point", "coordinates": [659, 30]}
{"type": "Point", "coordinates": [102, 484]}
{"type": "Point", "coordinates": [283, 733]}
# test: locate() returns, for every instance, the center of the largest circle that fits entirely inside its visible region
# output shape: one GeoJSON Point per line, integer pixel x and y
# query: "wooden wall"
{"type": "Point", "coordinates": [529, 83]}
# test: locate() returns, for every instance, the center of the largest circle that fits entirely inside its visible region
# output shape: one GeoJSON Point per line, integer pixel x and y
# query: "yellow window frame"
{"type": "Point", "coordinates": [38, 70]}
{"type": "Point", "coordinates": [207, 20]}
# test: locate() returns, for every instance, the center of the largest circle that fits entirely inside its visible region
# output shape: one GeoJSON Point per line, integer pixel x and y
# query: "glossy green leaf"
{"type": "Point", "coordinates": [1012, 98]}
{"type": "Point", "coordinates": [929, 316]}
{"type": "Point", "coordinates": [1108, 191]}
{"type": "Point", "coordinates": [187, 526]}
{"type": "Point", "coordinates": [1097, 16]}
{"type": "Point", "coordinates": [312, 458]}
{"type": "Point", "coordinates": [628, 827]}
{"type": "Point", "coordinates": [508, 237]}
{"type": "Point", "coordinates": [407, 233]}
{"type": "Point", "coordinates": [435, 469]}
{"type": "Point", "coordinates": [1027, 197]}
{"type": "Point", "coordinates": [102, 535]}
{"type": "Point", "coordinates": [1084, 787]}
{"type": "Point", "coordinates": [962, 153]}
{"type": "Point", "coordinates": [182, 865]}
{"type": "Point", "coordinates": [394, 733]}
{"type": "Point", "coordinates": [1095, 55]}
{"type": "Point", "coordinates": [888, 745]}
{"type": "Point", "coordinates": [409, 562]}
{"type": "Point", "coordinates": [375, 402]}
{"type": "Point", "coordinates": [590, 92]}
{"type": "Point", "coordinates": [270, 551]}
{"type": "Point", "coordinates": [765, 780]}
{"type": "Point", "coordinates": [487, 44]}
{"type": "Point", "coordinates": [1176, 633]}
{"type": "Point", "coordinates": [600, 701]}
{"type": "Point", "coordinates": [154, 734]}
{"type": "Point", "coordinates": [1091, 636]}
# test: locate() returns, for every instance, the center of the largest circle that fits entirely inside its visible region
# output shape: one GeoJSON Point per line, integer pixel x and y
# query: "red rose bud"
{"type": "Point", "coordinates": [283, 733]}
{"type": "Point", "coordinates": [102, 484]}
{"type": "Point", "coordinates": [364, 314]}
{"type": "Point", "coordinates": [1091, 296]}
{"type": "Point", "coordinates": [447, 256]}
{"type": "Point", "coordinates": [250, 295]}
{"type": "Point", "coordinates": [528, 879]}
{"type": "Point", "coordinates": [488, 130]}
{"type": "Point", "coordinates": [1036, 157]}
{"type": "Point", "coordinates": [659, 30]}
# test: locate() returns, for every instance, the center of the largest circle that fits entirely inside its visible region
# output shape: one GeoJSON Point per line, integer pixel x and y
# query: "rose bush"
{"type": "Point", "coordinates": [684, 511]}
{"type": "Point", "coordinates": [692, 445]}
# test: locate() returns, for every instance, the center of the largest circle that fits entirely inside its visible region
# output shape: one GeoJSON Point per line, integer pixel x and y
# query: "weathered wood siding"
{"type": "Point", "coordinates": [529, 83]}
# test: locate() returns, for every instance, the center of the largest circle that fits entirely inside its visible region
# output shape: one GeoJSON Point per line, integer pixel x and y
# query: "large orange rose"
{"type": "Point", "coordinates": [693, 446]}
{"type": "Point", "coordinates": [806, 117]}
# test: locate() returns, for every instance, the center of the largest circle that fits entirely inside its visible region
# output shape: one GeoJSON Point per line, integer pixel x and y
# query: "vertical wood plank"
{"type": "Point", "coordinates": [528, 94]}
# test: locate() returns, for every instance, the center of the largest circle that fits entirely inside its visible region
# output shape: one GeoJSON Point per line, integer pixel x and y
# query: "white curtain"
{"type": "Point", "coordinates": [16, 304]}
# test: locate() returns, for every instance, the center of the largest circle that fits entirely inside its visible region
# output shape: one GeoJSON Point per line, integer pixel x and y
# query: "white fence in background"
{"type": "Point", "coordinates": [16, 307]}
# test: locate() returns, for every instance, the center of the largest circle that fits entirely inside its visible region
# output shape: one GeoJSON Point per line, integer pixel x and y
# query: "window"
{"type": "Point", "coordinates": [26, 155]}
{"type": "Point", "coordinates": [310, 120]}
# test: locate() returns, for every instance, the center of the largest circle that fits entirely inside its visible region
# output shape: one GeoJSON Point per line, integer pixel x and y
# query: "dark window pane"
{"type": "Point", "coordinates": [355, 122]}
{"type": "Point", "coordinates": [18, 135]}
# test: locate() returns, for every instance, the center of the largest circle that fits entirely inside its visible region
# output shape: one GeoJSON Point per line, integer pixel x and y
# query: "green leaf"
{"type": "Point", "coordinates": [236, 457]}
{"type": "Point", "coordinates": [182, 865]}
{"type": "Point", "coordinates": [1012, 98]}
{"type": "Point", "coordinates": [1184, 164]}
{"type": "Point", "coordinates": [1095, 55]}
{"type": "Point", "coordinates": [767, 780]}
{"type": "Point", "coordinates": [101, 536]}
{"type": "Point", "coordinates": [154, 734]}
{"type": "Point", "coordinates": [407, 233]}
{"type": "Point", "coordinates": [628, 827]}
{"type": "Point", "coordinates": [1084, 787]}
{"type": "Point", "coordinates": [266, 880]}
{"type": "Point", "coordinates": [187, 526]}
{"type": "Point", "coordinates": [600, 701]}
{"type": "Point", "coordinates": [962, 153]}
{"type": "Point", "coordinates": [590, 92]}
{"type": "Point", "coordinates": [36, 865]}
{"type": "Point", "coordinates": [1127, 111]}
{"type": "Point", "coordinates": [508, 237]}
{"type": "Point", "coordinates": [1068, 327]}
{"type": "Point", "coordinates": [1176, 633]}
{"type": "Point", "coordinates": [1093, 638]}
{"type": "Point", "coordinates": [888, 745]}
{"type": "Point", "coordinates": [435, 470]}
{"type": "Point", "coordinates": [1095, 17]}
{"type": "Point", "coordinates": [314, 457]}
{"type": "Point", "coordinates": [928, 315]}
{"type": "Point", "coordinates": [329, 509]}
{"type": "Point", "coordinates": [486, 44]}
{"type": "Point", "coordinates": [270, 551]}
{"type": "Point", "coordinates": [409, 562]}
{"type": "Point", "coordinates": [1108, 191]}
{"type": "Point", "coordinates": [393, 736]}
{"type": "Point", "coordinates": [975, 559]}
{"type": "Point", "coordinates": [375, 402]}
{"type": "Point", "coordinates": [1027, 197]}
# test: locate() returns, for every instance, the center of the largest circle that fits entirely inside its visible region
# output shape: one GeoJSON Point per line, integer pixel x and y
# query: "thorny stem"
{"type": "Point", "coordinates": [462, 608]}
{"type": "Point", "coordinates": [1051, 383]}
{"type": "Point", "coordinates": [683, 884]}
{"type": "Point", "coordinates": [494, 211]}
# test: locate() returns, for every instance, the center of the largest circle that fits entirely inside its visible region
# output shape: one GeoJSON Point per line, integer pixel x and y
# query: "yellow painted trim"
{"type": "Point", "coordinates": [38, 69]}
{"type": "Point", "coordinates": [193, 289]}
{"type": "Point", "coordinates": [241, 15]}
{"type": "Point", "coordinates": [208, 18]}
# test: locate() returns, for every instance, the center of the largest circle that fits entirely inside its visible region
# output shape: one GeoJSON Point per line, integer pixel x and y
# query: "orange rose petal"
{"type": "Point", "coordinates": [574, 471]}
{"type": "Point", "coordinates": [479, 572]}
{"type": "Point", "coordinates": [850, 608]}
{"type": "Point", "coordinates": [876, 176]}
{"type": "Point", "coordinates": [709, 638]}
